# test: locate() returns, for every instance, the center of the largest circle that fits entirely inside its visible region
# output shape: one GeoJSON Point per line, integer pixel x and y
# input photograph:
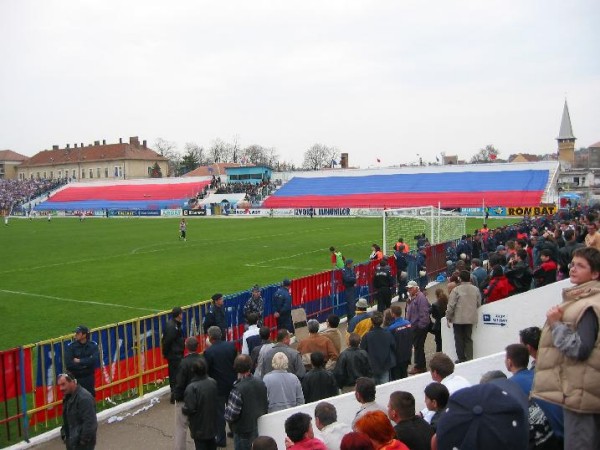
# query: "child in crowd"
{"type": "Point", "coordinates": [436, 399]}
{"type": "Point", "coordinates": [546, 273]}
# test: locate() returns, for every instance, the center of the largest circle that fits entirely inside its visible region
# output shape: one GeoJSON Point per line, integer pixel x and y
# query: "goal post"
{"type": "Point", "coordinates": [406, 223]}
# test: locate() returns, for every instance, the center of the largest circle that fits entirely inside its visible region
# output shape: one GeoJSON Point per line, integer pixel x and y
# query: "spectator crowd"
{"type": "Point", "coordinates": [15, 193]}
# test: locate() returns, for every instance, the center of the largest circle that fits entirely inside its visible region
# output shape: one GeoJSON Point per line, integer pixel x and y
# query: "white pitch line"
{"type": "Point", "coordinates": [88, 302]}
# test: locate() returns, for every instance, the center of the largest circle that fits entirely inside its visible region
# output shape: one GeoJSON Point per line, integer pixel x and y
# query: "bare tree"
{"type": "Point", "coordinates": [485, 155]}
{"type": "Point", "coordinates": [168, 149]}
{"type": "Point", "coordinates": [219, 152]}
{"type": "Point", "coordinates": [234, 149]}
{"type": "Point", "coordinates": [319, 156]}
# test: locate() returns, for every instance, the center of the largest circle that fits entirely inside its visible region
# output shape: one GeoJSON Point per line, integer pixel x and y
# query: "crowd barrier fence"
{"type": "Point", "coordinates": [131, 361]}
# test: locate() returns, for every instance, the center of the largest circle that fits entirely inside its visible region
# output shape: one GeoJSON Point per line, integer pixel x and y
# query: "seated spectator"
{"type": "Point", "coordinates": [333, 333]}
{"type": "Point", "coordinates": [318, 383]}
{"type": "Point", "coordinates": [530, 338]}
{"type": "Point", "coordinates": [482, 417]}
{"type": "Point", "coordinates": [365, 395]}
{"type": "Point", "coordinates": [377, 426]}
{"type": "Point", "coordinates": [352, 364]}
{"type": "Point", "coordinates": [436, 399]}
{"type": "Point", "coordinates": [356, 441]}
{"type": "Point", "coordinates": [283, 388]}
{"type": "Point", "coordinates": [519, 273]}
{"type": "Point", "coordinates": [499, 286]}
{"type": "Point", "coordinates": [316, 342]}
{"type": "Point", "coordinates": [326, 422]}
{"type": "Point", "coordinates": [411, 429]}
{"type": "Point", "coordinates": [299, 431]}
{"type": "Point", "coordinates": [546, 273]}
{"type": "Point", "coordinates": [264, 443]}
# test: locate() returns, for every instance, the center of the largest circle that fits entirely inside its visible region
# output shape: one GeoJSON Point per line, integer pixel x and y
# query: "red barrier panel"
{"type": "Point", "coordinates": [10, 377]}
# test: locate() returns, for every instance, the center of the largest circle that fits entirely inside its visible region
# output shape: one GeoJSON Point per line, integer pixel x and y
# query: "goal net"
{"type": "Point", "coordinates": [406, 223]}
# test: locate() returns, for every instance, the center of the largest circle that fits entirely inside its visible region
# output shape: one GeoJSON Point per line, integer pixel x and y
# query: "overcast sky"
{"type": "Point", "coordinates": [377, 79]}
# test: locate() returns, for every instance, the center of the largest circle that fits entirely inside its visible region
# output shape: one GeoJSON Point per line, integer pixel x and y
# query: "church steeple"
{"type": "Point", "coordinates": [566, 140]}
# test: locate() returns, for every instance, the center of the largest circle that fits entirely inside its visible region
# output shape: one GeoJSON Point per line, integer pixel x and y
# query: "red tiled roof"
{"type": "Point", "coordinates": [596, 145]}
{"type": "Point", "coordinates": [217, 169]}
{"type": "Point", "coordinates": [9, 155]}
{"type": "Point", "coordinates": [109, 152]}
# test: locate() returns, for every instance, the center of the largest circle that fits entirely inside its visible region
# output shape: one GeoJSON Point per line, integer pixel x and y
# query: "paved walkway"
{"type": "Point", "coordinates": [153, 428]}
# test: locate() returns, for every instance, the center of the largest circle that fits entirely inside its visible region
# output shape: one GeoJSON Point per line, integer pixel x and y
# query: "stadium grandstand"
{"type": "Point", "coordinates": [150, 194]}
{"type": "Point", "coordinates": [453, 186]}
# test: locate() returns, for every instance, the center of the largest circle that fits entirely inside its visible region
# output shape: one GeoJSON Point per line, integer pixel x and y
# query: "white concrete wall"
{"type": "Point", "coordinates": [513, 314]}
{"type": "Point", "coordinates": [347, 406]}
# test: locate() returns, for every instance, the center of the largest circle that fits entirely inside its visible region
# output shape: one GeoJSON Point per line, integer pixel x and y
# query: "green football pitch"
{"type": "Point", "coordinates": [56, 275]}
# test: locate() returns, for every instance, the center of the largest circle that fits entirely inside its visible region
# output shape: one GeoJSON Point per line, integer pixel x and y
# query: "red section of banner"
{"type": "Point", "coordinates": [10, 373]}
{"type": "Point", "coordinates": [310, 288]}
{"type": "Point", "coordinates": [435, 259]}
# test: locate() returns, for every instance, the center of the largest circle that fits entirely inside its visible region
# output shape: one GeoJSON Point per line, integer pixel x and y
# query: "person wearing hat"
{"type": "Point", "coordinates": [216, 315]}
{"type": "Point", "coordinates": [417, 313]}
{"type": "Point", "coordinates": [282, 306]}
{"type": "Point", "coordinates": [255, 304]}
{"type": "Point", "coordinates": [361, 322]}
{"type": "Point", "coordinates": [172, 346]}
{"type": "Point", "coordinates": [349, 281]}
{"type": "Point", "coordinates": [81, 359]}
{"type": "Point", "coordinates": [484, 416]}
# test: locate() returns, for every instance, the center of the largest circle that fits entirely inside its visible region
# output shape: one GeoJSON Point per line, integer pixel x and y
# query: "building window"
{"type": "Point", "coordinates": [97, 172]}
{"type": "Point", "coordinates": [73, 174]}
{"type": "Point", "coordinates": [44, 174]}
{"type": "Point", "coordinates": [106, 172]}
{"type": "Point", "coordinates": [82, 173]}
{"type": "Point", "coordinates": [59, 174]}
{"type": "Point", "coordinates": [91, 173]}
{"type": "Point", "coordinates": [51, 174]}
{"type": "Point", "coordinates": [118, 172]}
{"type": "Point", "coordinates": [37, 175]}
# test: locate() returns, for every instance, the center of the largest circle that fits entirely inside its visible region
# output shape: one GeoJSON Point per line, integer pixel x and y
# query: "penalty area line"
{"type": "Point", "coordinates": [71, 300]}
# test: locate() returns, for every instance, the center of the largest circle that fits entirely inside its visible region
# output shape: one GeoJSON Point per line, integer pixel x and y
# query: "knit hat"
{"type": "Point", "coordinates": [484, 416]}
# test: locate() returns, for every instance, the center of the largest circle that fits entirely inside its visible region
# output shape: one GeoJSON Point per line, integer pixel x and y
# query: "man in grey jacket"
{"type": "Point", "coordinates": [463, 303]}
{"type": "Point", "coordinates": [79, 415]}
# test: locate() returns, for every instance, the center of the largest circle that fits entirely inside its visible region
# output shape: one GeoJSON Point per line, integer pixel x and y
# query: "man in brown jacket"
{"type": "Point", "coordinates": [316, 342]}
{"type": "Point", "coordinates": [463, 303]}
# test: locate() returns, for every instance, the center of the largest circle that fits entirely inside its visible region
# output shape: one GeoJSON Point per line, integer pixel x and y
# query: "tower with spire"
{"type": "Point", "coordinates": [566, 140]}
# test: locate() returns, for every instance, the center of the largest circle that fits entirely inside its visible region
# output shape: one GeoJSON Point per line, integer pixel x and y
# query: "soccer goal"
{"type": "Point", "coordinates": [406, 223]}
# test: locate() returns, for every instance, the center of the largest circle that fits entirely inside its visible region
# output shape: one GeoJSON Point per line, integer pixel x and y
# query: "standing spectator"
{"type": "Point", "coordinates": [421, 263]}
{"type": "Point", "coordinates": [283, 388]}
{"type": "Point", "coordinates": [402, 246]}
{"type": "Point", "coordinates": [568, 353]}
{"type": "Point", "coordinates": [383, 284]}
{"type": "Point", "coordinates": [255, 304]}
{"type": "Point", "coordinates": [546, 273]}
{"type": "Point", "coordinates": [337, 259]}
{"type": "Point", "coordinates": [81, 359]}
{"type": "Point", "coordinates": [479, 275]}
{"type": "Point", "coordinates": [365, 395]}
{"type": "Point", "coordinates": [318, 383]}
{"type": "Point", "coordinates": [462, 314]}
{"type": "Point", "coordinates": [247, 402]}
{"type": "Point", "coordinates": [499, 286]}
{"type": "Point", "coordinates": [331, 430]}
{"type": "Point", "coordinates": [294, 365]}
{"type": "Point", "coordinates": [377, 426]}
{"type": "Point", "coordinates": [200, 402]}
{"type": "Point", "coordinates": [376, 253]}
{"type": "Point", "coordinates": [410, 428]}
{"type": "Point", "coordinates": [316, 342]}
{"type": "Point", "coordinates": [300, 433]}
{"type": "Point", "coordinates": [349, 281]}
{"type": "Point", "coordinates": [79, 415]}
{"type": "Point", "coordinates": [184, 378]}
{"type": "Point", "coordinates": [381, 348]}
{"type": "Point", "coordinates": [417, 313]}
{"type": "Point", "coordinates": [401, 270]}
{"type": "Point", "coordinates": [282, 306]}
{"type": "Point", "coordinates": [360, 323]}
{"type": "Point", "coordinates": [333, 333]}
{"type": "Point", "coordinates": [438, 311]}
{"type": "Point", "coordinates": [250, 338]}
{"type": "Point", "coordinates": [352, 364]}
{"type": "Point", "coordinates": [592, 239]}
{"type": "Point", "coordinates": [182, 230]}
{"type": "Point", "coordinates": [401, 330]}
{"type": "Point", "coordinates": [172, 346]}
{"type": "Point", "coordinates": [264, 333]}
{"type": "Point", "coordinates": [216, 315]}
{"type": "Point", "coordinates": [356, 441]}
{"type": "Point", "coordinates": [220, 357]}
